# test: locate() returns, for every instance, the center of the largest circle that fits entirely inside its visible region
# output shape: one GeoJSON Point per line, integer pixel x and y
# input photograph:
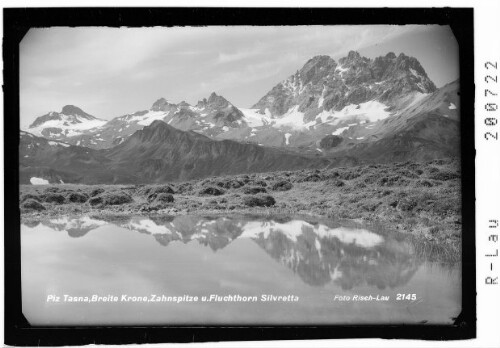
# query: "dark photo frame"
{"type": "Point", "coordinates": [17, 22]}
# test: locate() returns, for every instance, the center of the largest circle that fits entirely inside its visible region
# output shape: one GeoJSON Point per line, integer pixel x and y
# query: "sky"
{"type": "Point", "coordinates": [109, 72]}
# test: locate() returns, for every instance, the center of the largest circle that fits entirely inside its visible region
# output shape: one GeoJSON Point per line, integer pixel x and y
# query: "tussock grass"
{"type": "Point", "coordinates": [421, 199]}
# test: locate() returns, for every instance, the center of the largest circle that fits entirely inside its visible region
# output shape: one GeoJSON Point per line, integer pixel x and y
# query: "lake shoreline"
{"type": "Point", "coordinates": [420, 199]}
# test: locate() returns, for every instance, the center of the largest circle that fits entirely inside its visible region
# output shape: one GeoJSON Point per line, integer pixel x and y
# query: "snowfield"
{"type": "Point", "coordinates": [371, 111]}
{"type": "Point", "coordinates": [70, 125]}
{"type": "Point", "coordinates": [287, 138]}
{"type": "Point", "coordinates": [150, 117]}
{"type": "Point", "coordinates": [253, 118]}
{"type": "Point", "coordinates": [340, 130]}
{"type": "Point", "coordinates": [38, 181]}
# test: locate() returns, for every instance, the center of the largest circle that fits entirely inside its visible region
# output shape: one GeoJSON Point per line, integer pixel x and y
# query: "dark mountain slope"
{"type": "Point", "coordinates": [59, 162]}
{"type": "Point", "coordinates": [160, 152]}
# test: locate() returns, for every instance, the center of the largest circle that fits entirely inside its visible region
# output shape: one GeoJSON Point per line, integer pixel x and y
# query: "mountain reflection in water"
{"type": "Point", "coordinates": [318, 252]}
{"type": "Point", "coordinates": [311, 259]}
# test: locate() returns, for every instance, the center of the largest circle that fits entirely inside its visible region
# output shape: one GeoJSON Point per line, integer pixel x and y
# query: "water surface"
{"type": "Point", "coordinates": [308, 260]}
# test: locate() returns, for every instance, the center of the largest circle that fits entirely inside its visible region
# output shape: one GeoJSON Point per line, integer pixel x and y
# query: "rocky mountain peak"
{"type": "Point", "coordinates": [162, 104]}
{"type": "Point", "coordinates": [390, 55]}
{"type": "Point", "coordinates": [217, 101]}
{"type": "Point", "coordinates": [353, 59]}
{"type": "Point", "coordinates": [322, 84]}
{"type": "Point", "coordinates": [315, 69]}
{"type": "Point", "coordinates": [320, 60]}
{"type": "Point", "coordinates": [73, 110]}
{"type": "Point", "coordinates": [353, 55]}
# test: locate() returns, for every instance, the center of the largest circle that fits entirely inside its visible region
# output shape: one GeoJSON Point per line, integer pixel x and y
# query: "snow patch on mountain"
{"type": "Point", "coordinates": [38, 181]}
{"type": "Point", "coordinates": [321, 99]}
{"type": "Point", "coordinates": [292, 118]}
{"type": "Point", "coordinates": [70, 125]}
{"type": "Point", "coordinates": [340, 130]}
{"type": "Point", "coordinates": [253, 118]}
{"type": "Point", "coordinates": [150, 117]}
{"type": "Point", "coordinates": [341, 69]}
{"type": "Point", "coordinates": [369, 111]}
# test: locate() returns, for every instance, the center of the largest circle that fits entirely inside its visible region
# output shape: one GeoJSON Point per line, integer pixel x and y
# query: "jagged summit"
{"type": "Point", "coordinates": [327, 106]}
{"type": "Point", "coordinates": [217, 101]}
{"type": "Point", "coordinates": [325, 85]}
{"type": "Point", "coordinates": [162, 104]}
{"type": "Point", "coordinates": [390, 55]}
{"type": "Point", "coordinates": [352, 56]}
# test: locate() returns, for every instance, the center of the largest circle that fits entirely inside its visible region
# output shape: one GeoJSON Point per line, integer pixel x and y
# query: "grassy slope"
{"type": "Point", "coordinates": [418, 198]}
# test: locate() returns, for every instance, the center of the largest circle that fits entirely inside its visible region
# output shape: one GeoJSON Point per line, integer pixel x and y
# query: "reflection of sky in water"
{"type": "Point", "coordinates": [314, 260]}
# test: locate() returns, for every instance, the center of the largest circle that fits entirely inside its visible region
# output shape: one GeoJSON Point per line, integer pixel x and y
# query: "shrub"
{"type": "Point", "coordinates": [445, 175]}
{"type": "Point", "coordinates": [348, 175]}
{"type": "Point", "coordinates": [111, 198]}
{"type": "Point", "coordinates": [77, 197]}
{"type": "Point", "coordinates": [245, 179]}
{"type": "Point", "coordinates": [211, 191]}
{"type": "Point", "coordinates": [31, 204]}
{"type": "Point", "coordinates": [96, 192]}
{"type": "Point", "coordinates": [312, 177]}
{"type": "Point", "coordinates": [254, 190]}
{"type": "Point", "coordinates": [260, 183]}
{"type": "Point", "coordinates": [372, 178]}
{"type": "Point", "coordinates": [116, 198]}
{"type": "Point", "coordinates": [407, 173]}
{"type": "Point", "coordinates": [160, 189]}
{"type": "Point", "coordinates": [439, 162]}
{"type": "Point", "coordinates": [30, 196]}
{"type": "Point", "coordinates": [228, 184]}
{"type": "Point", "coordinates": [282, 186]}
{"type": "Point", "coordinates": [161, 197]}
{"type": "Point", "coordinates": [96, 200]}
{"type": "Point", "coordinates": [54, 198]}
{"type": "Point", "coordinates": [407, 204]}
{"type": "Point", "coordinates": [259, 201]}
{"type": "Point", "coordinates": [395, 180]}
{"type": "Point", "coordinates": [424, 183]}
{"type": "Point", "coordinates": [336, 182]}
{"type": "Point", "coordinates": [184, 188]}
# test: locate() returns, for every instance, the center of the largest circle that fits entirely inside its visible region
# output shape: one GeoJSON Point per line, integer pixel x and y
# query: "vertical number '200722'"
{"type": "Point", "coordinates": [491, 120]}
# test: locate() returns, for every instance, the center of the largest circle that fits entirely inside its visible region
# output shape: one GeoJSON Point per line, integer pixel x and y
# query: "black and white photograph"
{"type": "Point", "coordinates": [241, 175]}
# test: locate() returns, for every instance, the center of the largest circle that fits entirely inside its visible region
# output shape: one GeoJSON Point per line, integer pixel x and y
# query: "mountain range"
{"type": "Point", "coordinates": [328, 113]}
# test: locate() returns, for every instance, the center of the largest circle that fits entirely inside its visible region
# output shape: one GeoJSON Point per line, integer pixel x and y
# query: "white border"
{"type": "Point", "coordinates": [487, 47]}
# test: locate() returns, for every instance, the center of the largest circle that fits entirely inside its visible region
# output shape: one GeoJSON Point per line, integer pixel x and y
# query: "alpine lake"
{"type": "Point", "coordinates": [230, 270]}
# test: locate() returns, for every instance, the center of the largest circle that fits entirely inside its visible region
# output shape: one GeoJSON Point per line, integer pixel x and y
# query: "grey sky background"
{"type": "Point", "coordinates": [109, 72]}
